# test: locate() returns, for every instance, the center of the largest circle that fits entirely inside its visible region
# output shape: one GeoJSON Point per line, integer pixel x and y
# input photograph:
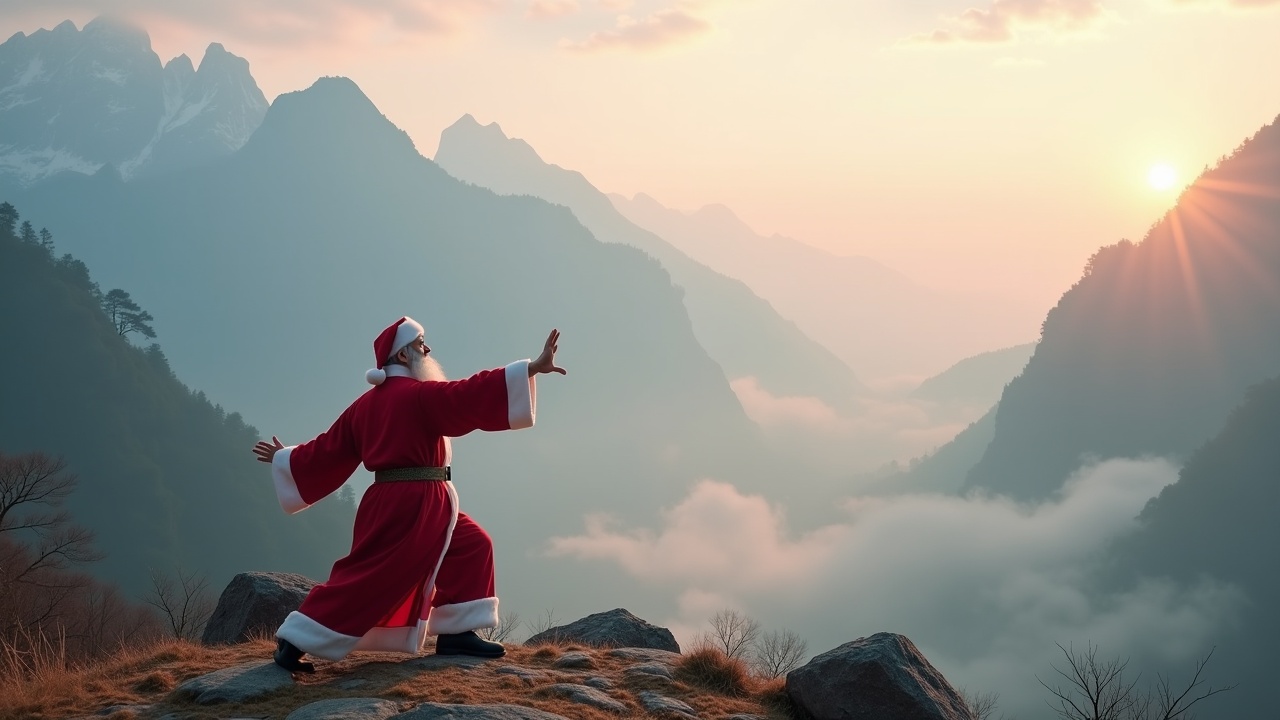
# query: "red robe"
{"type": "Point", "coordinates": [417, 565]}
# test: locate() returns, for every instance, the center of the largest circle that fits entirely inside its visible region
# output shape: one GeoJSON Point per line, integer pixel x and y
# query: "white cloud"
{"type": "Point", "coordinates": [1232, 4]}
{"type": "Point", "coordinates": [548, 9]}
{"type": "Point", "coordinates": [300, 22]}
{"type": "Point", "coordinates": [1002, 19]}
{"type": "Point", "coordinates": [984, 585]}
{"type": "Point", "coordinates": [661, 29]}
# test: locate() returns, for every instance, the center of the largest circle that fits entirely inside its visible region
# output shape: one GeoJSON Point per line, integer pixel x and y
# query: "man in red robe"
{"type": "Point", "coordinates": [417, 565]}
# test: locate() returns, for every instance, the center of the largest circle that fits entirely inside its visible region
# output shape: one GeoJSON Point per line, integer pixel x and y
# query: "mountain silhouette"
{"type": "Point", "coordinates": [73, 101]}
{"type": "Point", "coordinates": [741, 331]}
{"type": "Point", "coordinates": [879, 321]}
{"type": "Point", "coordinates": [1149, 352]}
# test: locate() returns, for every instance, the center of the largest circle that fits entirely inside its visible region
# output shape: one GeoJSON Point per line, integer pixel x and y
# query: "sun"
{"type": "Point", "coordinates": [1162, 176]}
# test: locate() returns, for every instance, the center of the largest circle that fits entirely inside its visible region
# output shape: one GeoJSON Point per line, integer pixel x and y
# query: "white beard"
{"type": "Point", "coordinates": [425, 367]}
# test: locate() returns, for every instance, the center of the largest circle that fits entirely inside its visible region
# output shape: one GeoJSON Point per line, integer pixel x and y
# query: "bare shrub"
{"type": "Point", "coordinates": [733, 633]}
{"type": "Point", "coordinates": [508, 624]}
{"type": "Point", "coordinates": [777, 653]}
{"type": "Point", "coordinates": [184, 604]}
{"type": "Point", "coordinates": [1097, 689]}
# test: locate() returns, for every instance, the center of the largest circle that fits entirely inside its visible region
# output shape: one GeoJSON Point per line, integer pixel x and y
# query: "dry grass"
{"type": "Point", "coordinates": [147, 676]}
{"type": "Point", "coordinates": [709, 668]}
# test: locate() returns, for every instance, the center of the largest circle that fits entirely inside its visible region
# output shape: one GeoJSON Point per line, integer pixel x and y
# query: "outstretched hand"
{"type": "Point", "coordinates": [265, 451]}
{"type": "Point", "coordinates": [546, 362]}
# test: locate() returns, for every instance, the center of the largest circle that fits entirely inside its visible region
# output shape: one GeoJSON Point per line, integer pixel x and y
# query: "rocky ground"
{"type": "Point", "coordinates": [542, 683]}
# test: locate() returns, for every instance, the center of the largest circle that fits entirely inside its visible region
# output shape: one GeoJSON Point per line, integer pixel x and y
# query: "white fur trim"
{"type": "Point", "coordinates": [286, 489]}
{"type": "Point", "coordinates": [408, 331]}
{"type": "Point", "coordinates": [399, 639]}
{"type": "Point", "coordinates": [375, 376]}
{"type": "Point", "coordinates": [461, 617]}
{"type": "Point", "coordinates": [522, 395]}
{"type": "Point", "coordinates": [397, 371]}
{"type": "Point", "coordinates": [312, 637]}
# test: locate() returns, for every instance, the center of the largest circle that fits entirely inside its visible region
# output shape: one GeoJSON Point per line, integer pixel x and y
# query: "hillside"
{"type": "Point", "coordinates": [1148, 353]}
{"type": "Point", "coordinates": [1218, 522]}
{"type": "Point", "coordinates": [166, 479]}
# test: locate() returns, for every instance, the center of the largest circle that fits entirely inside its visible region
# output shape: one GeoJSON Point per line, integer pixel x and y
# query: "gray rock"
{"type": "Point", "coordinates": [440, 662]}
{"type": "Point", "coordinates": [242, 683]}
{"type": "Point", "coordinates": [615, 628]}
{"type": "Point", "coordinates": [599, 683]}
{"type": "Point", "coordinates": [346, 709]}
{"type": "Point", "coordinates": [882, 676]}
{"type": "Point", "coordinates": [649, 670]}
{"type": "Point", "coordinates": [438, 711]}
{"type": "Point", "coordinates": [351, 684]}
{"type": "Point", "coordinates": [646, 655]}
{"type": "Point", "coordinates": [574, 660]}
{"type": "Point", "coordinates": [527, 675]}
{"type": "Point", "coordinates": [254, 603]}
{"type": "Point", "coordinates": [586, 696]}
{"type": "Point", "coordinates": [662, 705]}
{"type": "Point", "coordinates": [744, 716]}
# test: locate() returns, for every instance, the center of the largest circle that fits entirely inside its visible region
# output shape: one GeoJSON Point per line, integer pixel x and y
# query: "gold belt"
{"type": "Point", "coordinates": [408, 474]}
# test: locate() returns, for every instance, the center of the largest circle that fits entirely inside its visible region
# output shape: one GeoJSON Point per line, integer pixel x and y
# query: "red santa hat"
{"type": "Point", "coordinates": [389, 342]}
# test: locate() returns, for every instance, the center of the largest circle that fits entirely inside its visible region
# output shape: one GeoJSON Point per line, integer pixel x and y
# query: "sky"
{"type": "Point", "coordinates": [971, 144]}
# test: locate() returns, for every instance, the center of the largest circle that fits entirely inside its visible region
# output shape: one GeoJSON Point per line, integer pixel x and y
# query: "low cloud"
{"type": "Point", "coordinates": [984, 585]}
{"type": "Point", "coordinates": [1001, 21]}
{"type": "Point", "coordinates": [548, 9]}
{"type": "Point", "coordinates": [297, 22]}
{"type": "Point", "coordinates": [880, 428]}
{"type": "Point", "coordinates": [661, 29]}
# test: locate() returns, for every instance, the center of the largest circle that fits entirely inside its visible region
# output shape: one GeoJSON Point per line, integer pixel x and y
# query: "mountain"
{"type": "Point", "coordinates": [976, 380]}
{"type": "Point", "coordinates": [1149, 352]}
{"type": "Point", "coordinates": [165, 480]}
{"type": "Point", "coordinates": [76, 100]}
{"type": "Point", "coordinates": [270, 273]}
{"type": "Point", "coordinates": [1218, 522]}
{"type": "Point", "coordinates": [881, 323]}
{"type": "Point", "coordinates": [741, 331]}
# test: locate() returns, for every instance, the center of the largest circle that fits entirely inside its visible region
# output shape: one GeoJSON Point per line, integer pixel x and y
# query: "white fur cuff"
{"type": "Point", "coordinates": [461, 617]}
{"type": "Point", "coordinates": [522, 395]}
{"type": "Point", "coordinates": [312, 637]}
{"type": "Point", "coordinates": [286, 489]}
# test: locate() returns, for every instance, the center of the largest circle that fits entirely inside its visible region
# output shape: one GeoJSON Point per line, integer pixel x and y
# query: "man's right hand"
{"type": "Point", "coordinates": [265, 451]}
{"type": "Point", "coordinates": [546, 362]}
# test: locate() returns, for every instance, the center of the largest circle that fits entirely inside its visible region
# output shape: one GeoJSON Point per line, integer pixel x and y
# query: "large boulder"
{"type": "Point", "coordinates": [255, 603]}
{"type": "Point", "coordinates": [882, 676]}
{"type": "Point", "coordinates": [615, 628]}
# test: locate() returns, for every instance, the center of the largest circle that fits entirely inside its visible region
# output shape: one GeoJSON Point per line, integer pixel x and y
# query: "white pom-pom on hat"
{"type": "Point", "coordinates": [375, 376]}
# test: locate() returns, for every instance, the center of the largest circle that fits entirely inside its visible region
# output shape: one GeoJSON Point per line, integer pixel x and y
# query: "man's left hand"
{"type": "Point", "coordinates": [265, 451]}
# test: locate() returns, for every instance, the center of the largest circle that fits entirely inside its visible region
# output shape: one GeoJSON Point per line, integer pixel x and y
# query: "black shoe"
{"type": "Point", "coordinates": [289, 657]}
{"type": "Point", "coordinates": [468, 643]}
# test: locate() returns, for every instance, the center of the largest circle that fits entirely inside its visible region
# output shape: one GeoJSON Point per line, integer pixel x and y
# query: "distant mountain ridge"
{"type": "Point", "coordinates": [77, 100]}
{"type": "Point", "coordinates": [879, 321]}
{"type": "Point", "coordinates": [741, 331]}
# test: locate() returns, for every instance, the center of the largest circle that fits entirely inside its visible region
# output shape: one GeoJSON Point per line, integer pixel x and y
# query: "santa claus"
{"type": "Point", "coordinates": [417, 565]}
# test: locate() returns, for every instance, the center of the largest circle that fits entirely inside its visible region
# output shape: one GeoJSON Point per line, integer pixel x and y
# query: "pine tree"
{"type": "Point", "coordinates": [126, 315]}
{"type": "Point", "coordinates": [8, 218]}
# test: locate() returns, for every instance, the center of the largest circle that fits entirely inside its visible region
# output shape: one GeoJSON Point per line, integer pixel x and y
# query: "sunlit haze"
{"type": "Point", "coordinates": [880, 128]}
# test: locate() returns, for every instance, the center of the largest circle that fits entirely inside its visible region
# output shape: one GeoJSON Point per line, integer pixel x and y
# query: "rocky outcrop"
{"type": "Point", "coordinates": [240, 684]}
{"type": "Point", "coordinates": [255, 603]}
{"type": "Point", "coordinates": [882, 676]}
{"type": "Point", "coordinates": [615, 628]}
